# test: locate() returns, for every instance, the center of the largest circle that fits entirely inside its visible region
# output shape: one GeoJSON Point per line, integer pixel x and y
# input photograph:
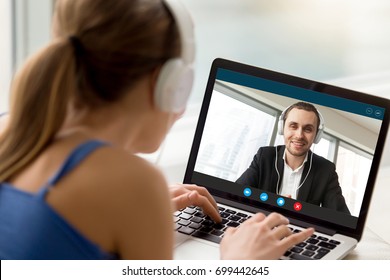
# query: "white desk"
{"type": "Point", "coordinates": [375, 243]}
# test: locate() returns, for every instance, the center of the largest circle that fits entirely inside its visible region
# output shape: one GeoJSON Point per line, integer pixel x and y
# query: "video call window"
{"type": "Point", "coordinates": [227, 150]}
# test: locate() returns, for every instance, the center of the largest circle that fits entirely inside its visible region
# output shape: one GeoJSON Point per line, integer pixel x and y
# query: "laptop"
{"type": "Point", "coordinates": [240, 113]}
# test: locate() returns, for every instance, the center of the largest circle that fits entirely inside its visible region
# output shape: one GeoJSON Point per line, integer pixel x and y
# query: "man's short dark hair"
{"type": "Point", "coordinates": [303, 106]}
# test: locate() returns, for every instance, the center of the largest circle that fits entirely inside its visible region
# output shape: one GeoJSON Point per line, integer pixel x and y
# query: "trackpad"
{"type": "Point", "coordinates": [193, 249]}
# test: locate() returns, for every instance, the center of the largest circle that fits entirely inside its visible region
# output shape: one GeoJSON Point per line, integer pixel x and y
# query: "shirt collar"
{"type": "Point", "coordinates": [303, 163]}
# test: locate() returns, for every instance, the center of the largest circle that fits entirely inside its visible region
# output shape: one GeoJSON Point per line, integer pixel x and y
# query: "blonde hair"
{"type": "Point", "coordinates": [100, 49]}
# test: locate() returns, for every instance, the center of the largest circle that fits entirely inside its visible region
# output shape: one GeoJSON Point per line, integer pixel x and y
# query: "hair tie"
{"type": "Point", "coordinates": [77, 45]}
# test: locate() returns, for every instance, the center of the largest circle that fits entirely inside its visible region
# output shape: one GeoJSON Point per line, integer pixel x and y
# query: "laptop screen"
{"type": "Point", "coordinates": [280, 143]}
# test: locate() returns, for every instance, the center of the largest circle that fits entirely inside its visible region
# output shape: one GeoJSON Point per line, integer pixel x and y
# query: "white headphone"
{"type": "Point", "coordinates": [176, 76]}
{"type": "Point", "coordinates": [320, 131]}
{"type": "Point", "coordinates": [277, 171]}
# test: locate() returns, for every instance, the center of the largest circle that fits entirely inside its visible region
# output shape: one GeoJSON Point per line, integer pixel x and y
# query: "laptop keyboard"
{"type": "Point", "coordinates": [192, 221]}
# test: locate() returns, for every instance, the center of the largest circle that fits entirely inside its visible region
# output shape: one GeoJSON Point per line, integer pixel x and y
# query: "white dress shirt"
{"type": "Point", "coordinates": [291, 178]}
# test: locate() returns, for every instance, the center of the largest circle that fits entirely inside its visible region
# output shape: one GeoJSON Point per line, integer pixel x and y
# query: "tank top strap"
{"type": "Point", "coordinates": [75, 157]}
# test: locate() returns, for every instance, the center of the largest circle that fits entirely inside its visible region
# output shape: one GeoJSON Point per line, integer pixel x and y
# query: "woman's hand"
{"type": "Point", "coordinates": [261, 237]}
{"type": "Point", "coordinates": [184, 195]}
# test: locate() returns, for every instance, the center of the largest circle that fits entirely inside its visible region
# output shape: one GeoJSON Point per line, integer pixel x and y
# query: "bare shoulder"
{"type": "Point", "coordinates": [136, 201]}
{"type": "Point", "coordinates": [120, 173]}
{"type": "Point", "coordinates": [117, 166]}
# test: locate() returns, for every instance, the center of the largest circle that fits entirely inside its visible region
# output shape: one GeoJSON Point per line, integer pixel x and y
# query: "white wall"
{"type": "Point", "coordinates": [5, 52]}
{"type": "Point", "coordinates": [22, 31]}
{"type": "Point", "coordinates": [32, 27]}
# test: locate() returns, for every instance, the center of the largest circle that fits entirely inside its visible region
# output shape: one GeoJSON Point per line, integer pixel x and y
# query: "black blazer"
{"type": "Point", "coordinates": [320, 188]}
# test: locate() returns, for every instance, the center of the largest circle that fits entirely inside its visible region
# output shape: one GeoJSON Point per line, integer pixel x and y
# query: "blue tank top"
{"type": "Point", "coordinates": [31, 229]}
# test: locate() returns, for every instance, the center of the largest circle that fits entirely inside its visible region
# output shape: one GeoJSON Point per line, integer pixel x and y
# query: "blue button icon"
{"type": "Point", "coordinates": [263, 196]}
{"type": "Point", "coordinates": [280, 201]}
{"type": "Point", "coordinates": [247, 192]}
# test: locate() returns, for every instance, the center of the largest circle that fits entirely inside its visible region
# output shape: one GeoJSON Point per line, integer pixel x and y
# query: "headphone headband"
{"type": "Point", "coordinates": [186, 29]}
{"type": "Point", "coordinates": [176, 76]}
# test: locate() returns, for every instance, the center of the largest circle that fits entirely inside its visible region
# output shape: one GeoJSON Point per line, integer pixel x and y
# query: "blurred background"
{"type": "Point", "coordinates": [345, 42]}
{"type": "Point", "coordinates": [317, 39]}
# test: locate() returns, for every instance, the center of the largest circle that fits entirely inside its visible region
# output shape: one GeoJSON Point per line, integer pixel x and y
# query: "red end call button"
{"type": "Point", "coordinates": [297, 206]}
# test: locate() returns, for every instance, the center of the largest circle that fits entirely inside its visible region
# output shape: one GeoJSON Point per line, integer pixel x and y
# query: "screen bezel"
{"type": "Point", "coordinates": [303, 83]}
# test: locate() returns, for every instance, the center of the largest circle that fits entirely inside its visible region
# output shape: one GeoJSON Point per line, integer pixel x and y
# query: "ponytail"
{"type": "Point", "coordinates": [40, 96]}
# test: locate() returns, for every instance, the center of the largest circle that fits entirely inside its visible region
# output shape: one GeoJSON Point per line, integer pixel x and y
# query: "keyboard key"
{"type": "Point", "coordinates": [232, 224]}
{"type": "Point", "coordinates": [208, 223]}
{"type": "Point", "coordinates": [206, 229]}
{"type": "Point", "coordinates": [217, 232]}
{"type": "Point", "coordinates": [176, 226]}
{"type": "Point", "coordinates": [322, 238]}
{"type": "Point", "coordinates": [195, 225]}
{"type": "Point", "coordinates": [186, 230]}
{"type": "Point", "coordinates": [220, 208]}
{"type": "Point", "coordinates": [335, 242]}
{"type": "Point", "coordinates": [308, 253]}
{"type": "Point", "coordinates": [234, 218]}
{"type": "Point", "coordinates": [190, 211]}
{"type": "Point", "coordinates": [196, 219]}
{"type": "Point", "coordinates": [299, 257]}
{"type": "Point", "coordinates": [200, 214]}
{"type": "Point", "coordinates": [224, 215]}
{"type": "Point", "coordinates": [230, 211]}
{"type": "Point", "coordinates": [184, 222]}
{"type": "Point", "coordinates": [302, 244]}
{"type": "Point", "coordinates": [206, 236]}
{"type": "Point", "coordinates": [311, 247]}
{"type": "Point", "coordinates": [218, 226]}
{"type": "Point", "coordinates": [288, 253]}
{"type": "Point", "coordinates": [242, 215]}
{"type": "Point", "coordinates": [327, 245]}
{"type": "Point", "coordinates": [185, 216]}
{"type": "Point", "coordinates": [321, 253]}
{"type": "Point", "coordinates": [296, 249]}
{"type": "Point", "coordinates": [312, 241]}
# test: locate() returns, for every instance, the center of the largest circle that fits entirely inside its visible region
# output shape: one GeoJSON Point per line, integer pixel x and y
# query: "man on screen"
{"type": "Point", "coordinates": [292, 170]}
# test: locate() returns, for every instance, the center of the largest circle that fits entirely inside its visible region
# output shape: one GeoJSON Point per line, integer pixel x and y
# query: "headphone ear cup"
{"type": "Point", "coordinates": [280, 125]}
{"type": "Point", "coordinates": [173, 86]}
{"type": "Point", "coordinates": [319, 135]}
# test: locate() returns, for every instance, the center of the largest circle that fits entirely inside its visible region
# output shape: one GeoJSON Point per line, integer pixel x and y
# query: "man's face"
{"type": "Point", "coordinates": [300, 129]}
